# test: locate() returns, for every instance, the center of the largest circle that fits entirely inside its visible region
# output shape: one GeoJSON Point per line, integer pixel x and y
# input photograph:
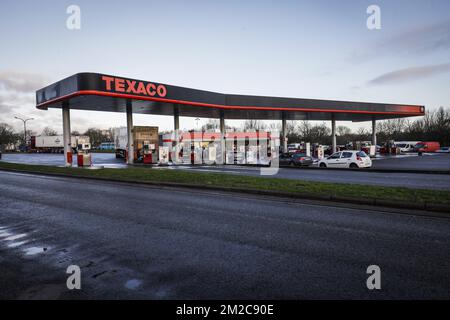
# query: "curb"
{"type": "Point", "coordinates": [426, 207]}
{"type": "Point", "coordinates": [375, 170]}
{"type": "Point", "coordinates": [426, 171]}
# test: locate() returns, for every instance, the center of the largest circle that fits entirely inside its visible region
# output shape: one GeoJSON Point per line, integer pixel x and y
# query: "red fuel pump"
{"type": "Point", "coordinates": [149, 155]}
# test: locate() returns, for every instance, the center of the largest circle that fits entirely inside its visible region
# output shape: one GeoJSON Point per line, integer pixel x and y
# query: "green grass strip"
{"type": "Point", "coordinates": [145, 174]}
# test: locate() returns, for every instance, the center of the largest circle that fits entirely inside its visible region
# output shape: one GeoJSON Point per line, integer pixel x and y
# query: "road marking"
{"type": "Point", "coordinates": [4, 234]}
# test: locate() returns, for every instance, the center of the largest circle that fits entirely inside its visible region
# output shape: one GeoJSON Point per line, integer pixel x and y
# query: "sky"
{"type": "Point", "coordinates": [305, 49]}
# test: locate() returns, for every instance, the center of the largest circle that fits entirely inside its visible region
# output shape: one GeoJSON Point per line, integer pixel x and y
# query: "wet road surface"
{"type": "Point", "coordinates": [161, 243]}
{"type": "Point", "coordinates": [108, 160]}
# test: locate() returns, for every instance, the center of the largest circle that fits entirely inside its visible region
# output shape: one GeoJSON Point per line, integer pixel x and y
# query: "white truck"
{"type": "Point", "coordinates": [55, 144]}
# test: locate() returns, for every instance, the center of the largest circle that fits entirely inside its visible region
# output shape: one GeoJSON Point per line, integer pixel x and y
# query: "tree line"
{"type": "Point", "coordinates": [433, 126]}
{"type": "Point", "coordinates": [9, 137]}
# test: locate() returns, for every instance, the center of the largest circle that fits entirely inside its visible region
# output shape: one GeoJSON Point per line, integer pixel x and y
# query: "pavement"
{"type": "Point", "coordinates": [147, 242]}
{"type": "Point", "coordinates": [107, 160]}
{"type": "Point", "coordinates": [429, 161]}
{"type": "Point", "coordinates": [394, 179]}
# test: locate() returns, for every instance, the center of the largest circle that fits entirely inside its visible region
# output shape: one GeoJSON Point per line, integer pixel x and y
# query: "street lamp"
{"type": "Point", "coordinates": [24, 129]}
{"type": "Point", "coordinates": [196, 120]}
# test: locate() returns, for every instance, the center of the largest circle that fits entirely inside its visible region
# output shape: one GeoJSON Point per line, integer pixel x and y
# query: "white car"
{"type": "Point", "coordinates": [346, 159]}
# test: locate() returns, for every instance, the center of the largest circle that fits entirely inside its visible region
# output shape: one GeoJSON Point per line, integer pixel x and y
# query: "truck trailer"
{"type": "Point", "coordinates": [55, 144]}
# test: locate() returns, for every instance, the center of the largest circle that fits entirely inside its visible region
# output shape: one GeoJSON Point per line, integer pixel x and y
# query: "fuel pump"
{"type": "Point", "coordinates": [164, 155]}
{"type": "Point", "coordinates": [320, 152]}
{"type": "Point", "coordinates": [84, 157]}
{"type": "Point", "coordinates": [149, 153]}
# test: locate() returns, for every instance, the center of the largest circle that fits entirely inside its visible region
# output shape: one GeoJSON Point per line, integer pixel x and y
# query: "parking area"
{"type": "Point", "coordinates": [394, 179]}
{"type": "Point", "coordinates": [428, 161]}
{"type": "Point", "coordinates": [107, 160]}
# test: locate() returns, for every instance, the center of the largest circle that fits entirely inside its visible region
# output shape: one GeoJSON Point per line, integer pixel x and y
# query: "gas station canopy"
{"type": "Point", "coordinates": [99, 92]}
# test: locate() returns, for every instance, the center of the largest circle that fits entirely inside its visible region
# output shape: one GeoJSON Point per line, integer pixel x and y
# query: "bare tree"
{"type": "Point", "coordinates": [253, 124]}
{"type": "Point", "coordinates": [362, 134]}
{"type": "Point", "coordinates": [211, 124]}
{"type": "Point", "coordinates": [47, 131]}
{"type": "Point", "coordinates": [96, 137]}
{"type": "Point", "coordinates": [344, 135]}
{"type": "Point", "coordinates": [343, 131]}
{"type": "Point", "coordinates": [7, 135]}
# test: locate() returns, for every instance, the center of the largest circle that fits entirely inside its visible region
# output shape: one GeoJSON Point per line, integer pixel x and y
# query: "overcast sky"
{"type": "Point", "coordinates": [304, 49]}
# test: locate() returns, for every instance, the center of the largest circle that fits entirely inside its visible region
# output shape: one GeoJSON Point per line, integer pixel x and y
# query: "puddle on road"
{"type": "Point", "coordinates": [17, 244]}
{"type": "Point", "coordinates": [34, 250]}
{"type": "Point", "coordinates": [11, 238]}
{"type": "Point", "coordinates": [17, 236]}
{"type": "Point", "coordinates": [4, 234]}
{"type": "Point", "coordinates": [133, 284]}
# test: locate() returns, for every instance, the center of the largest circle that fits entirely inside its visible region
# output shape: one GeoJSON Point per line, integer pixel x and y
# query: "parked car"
{"type": "Point", "coordinates": [444, 150]}
{"type": "Point", "coordinates": [346, 159]}
{"type": "Point", "coordinates": [406, 147]}
{"type": "Point", "coordinates": [295, 159]}
{"type": "Point", "coordinates": [428, 146]}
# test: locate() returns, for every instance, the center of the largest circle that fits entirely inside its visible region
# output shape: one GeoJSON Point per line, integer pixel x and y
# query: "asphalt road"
{"type": "Point", "coordinates": [429, 161]}
{"type": "Point", "coordinates": [410, 180]}
{"type": "Point", "coordinates": [393, 179]}
{"type": "Point", "coordinates": [160, 243]}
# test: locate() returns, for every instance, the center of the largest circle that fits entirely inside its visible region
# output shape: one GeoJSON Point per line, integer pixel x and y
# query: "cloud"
{"type": "Point", "coordinates": [21, 82]}
{"type": "Point", "coordinates": [422, 39]}
{"type": "Point", "coordinates": [4, 108]}
{"type": "Point", "coordinates": [17, 95]}
{"type": "Point", "coordinates": [418, 40]}
{"type": "Point", "coordinates": [410, 74]}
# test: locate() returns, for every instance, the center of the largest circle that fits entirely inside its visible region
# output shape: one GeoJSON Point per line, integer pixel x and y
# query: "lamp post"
{"type": "Point", "coordinates": [196, 120]}
{"type": "Point", "coordinates": [24, 129]}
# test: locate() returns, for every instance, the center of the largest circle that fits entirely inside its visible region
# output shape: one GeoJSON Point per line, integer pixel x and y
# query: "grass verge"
{"type": "Point", "coordinates": [265, 184]}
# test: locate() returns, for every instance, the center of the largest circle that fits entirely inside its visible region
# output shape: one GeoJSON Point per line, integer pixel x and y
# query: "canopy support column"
{"type": "Point", "coordinates": [130, 148]}
{"type": "Point", "coordinates": [66, 134]}
{"type": "Point", "coordinates": [284, 132]}
{"type": "Point", "coordinates": [374, 132]}
{"type": "Point", "coordinates": [222, 135]}
{"type": "Point", "coordinates": [176, 118]}
{"type": "Point", "coordinates": [176, 128]}
{"type": "Point", "coordinates": [333, 134]}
